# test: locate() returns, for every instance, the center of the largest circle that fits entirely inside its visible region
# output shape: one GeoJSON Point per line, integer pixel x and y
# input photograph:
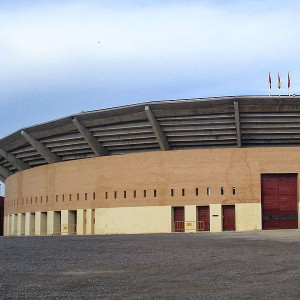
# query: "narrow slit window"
{"type": "Point", "coordinates": [115, 195]}
{"type": "Point", "coordinates": [94, 196]}
{"type": "Point", "coordinates": [208, 191]}
{"type": "Point", "coordinates": [222, 191]}
{"type": "Point", "coordinates": [106, 195]}
{"type": "Point", "coordinates": [46, 199]}
{"type": "Point", "coordinates": [41, 199]}
{"type": "Point", "coordinates": [183, 192]}
{"type": "Point", "coordinates": [35, 200]}
{"type": "Point", "coordinates": [63, 197]}
{"type": "Point", "coordinates": [197, 191]}
{"type": "Point", "coordinates": [172, 192]}
{"type": "Point", "coordinates": [145, 193]}
{"type": "Point", "coordinates": [233, 191]}
{"type": "Point", "coordinates": [70, 197]}
{"type": "Point", "coordinates": [85, 196]}
{"type": "Point", "coordinates": [154, 193]}
{"type": "Point", "coordinates": [125, 194]}
{"type": "Point", "coordinates": [134, 194]}
{"type": "Point", "coordinates": [31, 200]}
{"type": "Point", "coordinates": [77, 196]}
{"type": "Point", "coordinates": [56, 198]}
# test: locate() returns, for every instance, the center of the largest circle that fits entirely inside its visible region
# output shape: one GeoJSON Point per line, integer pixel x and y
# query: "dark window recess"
{"type": "Point", "coordinates": [222, 191]}
{"type": "Point", "coordinates": [183, 192]}
{"type": "Point", "coordinates": [197, 192]}
{"type": "Point", "coordinates": [70, 197]}
{"type": "Point", "coordinates": [94, 196]}
{"type": "Point", "coordinates": [208, 191]}
{"type": "Point", "coordinates": [63, 197]}
{"type": "Point", "coordinates": [77, 196]}
{"type": "Point", "coordinates": [35, 200]}
{"type": "Point", "coordinates": [154, 193]}
{"type": "Point", "coordinates": [233, 191]}
{"type": "Point", "coordinates": [41, 199]}
{"type": "Point", "coordinates": [115, 195]}
{"type": "Point", "coordinates": [134, 194]}
{"type": "Point", "coordinates": [31, 200]}
{"type": "Point", "coordinates": [125, 194]}
{"type": "Point", "coordinates": [145, 193]}
{"type": "Point", "coordinates": [85, 196]}
{"type": "Point", "coordinates": [172, 192]}
{"type": "Point", "coordinates": [56, 198]}
{"type": "Point", "coordinates": [106, 195]}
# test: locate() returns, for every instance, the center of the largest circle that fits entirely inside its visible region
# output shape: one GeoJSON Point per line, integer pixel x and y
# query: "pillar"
{"type": "Point", "coordinates": [216, 224]}
{"type": "Point", "coordinates": [80, 221]}
{"type": "Point", "coordinates": [190, 216]}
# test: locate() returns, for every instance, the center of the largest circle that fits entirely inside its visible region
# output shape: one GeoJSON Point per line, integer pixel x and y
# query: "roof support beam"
{"type": "Point", "coordinates": [95, 145]}
{"type": "Point", "coordinates": [5, 172]}
{"type": "Point", "coordinates": [237, 123]}
{"type": "Point", "coordinates": [160, 136]}
{"type": "Point", "coordinates": [17, 163]}
{"type": "Point", "coordinates": [2, 178]}
{"type": "Point", "coordinates": [41, 149]}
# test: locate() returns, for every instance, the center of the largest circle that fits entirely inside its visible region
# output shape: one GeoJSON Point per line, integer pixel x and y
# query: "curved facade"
{"type": "Point", "coordinates": [187, 165]}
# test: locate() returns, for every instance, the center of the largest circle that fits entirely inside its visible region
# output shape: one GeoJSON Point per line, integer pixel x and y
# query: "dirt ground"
{"type": "Point", "coordinates": [250, 265]}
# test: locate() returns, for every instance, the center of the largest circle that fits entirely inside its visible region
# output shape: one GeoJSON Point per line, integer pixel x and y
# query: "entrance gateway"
{"type": "Point", "coordinates": [279, 201]}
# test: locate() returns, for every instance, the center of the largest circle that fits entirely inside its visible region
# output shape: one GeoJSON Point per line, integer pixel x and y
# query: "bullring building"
{"type": "Point", "coordinates": [191, 165]}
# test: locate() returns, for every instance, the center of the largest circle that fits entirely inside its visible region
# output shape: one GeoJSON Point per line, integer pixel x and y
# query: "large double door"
{"type": "Point", "coordinates": [279, 201]}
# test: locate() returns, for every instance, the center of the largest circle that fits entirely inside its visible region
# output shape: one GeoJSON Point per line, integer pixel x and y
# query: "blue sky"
{"type": "Point", "coordinates": [63, 57]}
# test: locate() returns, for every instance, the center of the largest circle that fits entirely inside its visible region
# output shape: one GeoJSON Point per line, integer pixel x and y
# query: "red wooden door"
{"type": "Point", "coordinates": [228, 217]}
{"type": "Point", "coordinates": [203, 215]}
{"type": "Point", "coordinates": [179, 219]}
{"type": "Point", "coordinates": [279, 201]}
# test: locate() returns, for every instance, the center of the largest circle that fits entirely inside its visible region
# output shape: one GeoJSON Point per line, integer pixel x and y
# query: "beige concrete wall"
{"type": "Point", "coordinates": [216, 221]}
{"type": "Point", "coordinates": [146, 219]}
{"type": "Point", "coordinates": [248, 216]}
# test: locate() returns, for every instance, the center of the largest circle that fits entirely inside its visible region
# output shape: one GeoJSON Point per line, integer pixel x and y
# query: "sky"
{"type": "Point", "coordinates": [58, 58]}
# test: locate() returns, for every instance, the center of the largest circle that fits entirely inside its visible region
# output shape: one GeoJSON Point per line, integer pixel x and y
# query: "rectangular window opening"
{"type": "Point", "coordinates": [85, 196]}
{"type": "Point", "coordinates": [172, 192]}
{"type": "Point", "coordinates": [154, 193]}
{"type": "Point", "coordinates": [115, 194]}
{"type": "Point", "coordinates": [63, 197]}
{"type": "Point", "coordinates": [56, 198]}
{"type": "Point", "coordinates": [94, 196]}
{"type": "Point", "coordinates": [208, 191]}
{"type": "Point", "coordinates": [106, 195]}
{"type": "Point", "coordinates": [134, 194]}
{"type": "Point", "coordinates": [183, 192]}
{"type": "Point", "coordinates": [222, 191]}
{"type": "Point", "coordinates": [145, 193]}
{"type": "Point", "coordinates": [70, 197]}
{"type": "Point", "coordinates": [41, 199]}
{"type": "Point", "coordinates": [233, 191]}
{"type": "Point", "coordinates": [125, 194]}
{"type": "Point", "coordinates": [197, 191]}
{"type": "Point", "coordinates": [77, 196]}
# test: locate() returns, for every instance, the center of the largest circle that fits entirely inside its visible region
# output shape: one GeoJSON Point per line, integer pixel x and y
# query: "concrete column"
{"type": "Point", "coordinates": [50, 222]}
{"type": "Point", "coordinates": [13, 224]}
{"type": "Point", "coordinates": [37, 222]}
{"type": "Point", "coordinates": [29, 224]}
{"type": "Point", "coordinates": [21, 224]}
{"type": "Point", "coordinates": [8, 225]}
{"type": "Point", "coordinates": [190, 215]}
{"type": "Point", "coordinates": [216, 224]}
{"type": "Point", "coordinates": [80, 221]}
{"type": "Point", "coordinates": [89, 221]}
{"type": "Point", "coordinates": [5, 226]}
{"type": "Point", "coordinates": [64, 222]}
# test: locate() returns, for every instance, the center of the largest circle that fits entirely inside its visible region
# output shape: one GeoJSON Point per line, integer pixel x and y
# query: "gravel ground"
{"type": "Point", "coordinates": [251, 265]}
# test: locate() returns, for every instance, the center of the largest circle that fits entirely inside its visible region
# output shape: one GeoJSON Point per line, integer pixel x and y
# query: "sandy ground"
{"type": "Point", "coordinates": [250, 265]}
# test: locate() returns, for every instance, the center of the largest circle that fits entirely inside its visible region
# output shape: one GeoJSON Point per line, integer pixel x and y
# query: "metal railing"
{"type": "Point", "coordinates": [181, 226]}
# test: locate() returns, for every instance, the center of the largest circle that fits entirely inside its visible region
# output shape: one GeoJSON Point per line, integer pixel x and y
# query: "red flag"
{"type": "Point", "coordinates": [279, 82]}
{"type": "Point", "coordinates": [270, 81]}
{"type": "Point", "coordinates": [289, 80]}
